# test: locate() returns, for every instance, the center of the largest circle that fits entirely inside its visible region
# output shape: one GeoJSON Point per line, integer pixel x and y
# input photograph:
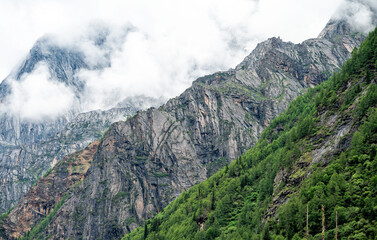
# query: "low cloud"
{"type": "Point", "coordinates": [37, 96]}
{"type": "Point", "coordinates": [242, 22]}
{"type": "Point", "coordinates": [163, 53]}
{"type": "Point", "coordinates": [151, 48]}
{"type": "Point", "coordinates": [361, 14]}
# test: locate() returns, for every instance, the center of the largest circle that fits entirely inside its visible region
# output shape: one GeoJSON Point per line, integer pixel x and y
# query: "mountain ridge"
{"type": "Point", "coordinates": [155, 155]}
{"type": "Point", "coordinates": [315, 163]}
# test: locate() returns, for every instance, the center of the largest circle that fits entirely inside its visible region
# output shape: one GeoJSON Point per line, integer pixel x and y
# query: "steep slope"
{"type": "Point", "coordinates": [49, 191]}
{"type": "Point", "coordinates": [144, 163]}
{"type": "Point", "coordinates": [22, 165]}
{"type": "Point", "coordinates": [320, 153]}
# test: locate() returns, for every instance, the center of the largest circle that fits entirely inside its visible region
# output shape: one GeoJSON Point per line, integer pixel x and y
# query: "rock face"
{"type": "Point", "coordinates": [145, 162]}
{"type": "Point", "coordinates": [42, 198]}
{"type": "Point", "coordinates": [29, 148]}
{"type": "Point", "coordinates": [22, 165]}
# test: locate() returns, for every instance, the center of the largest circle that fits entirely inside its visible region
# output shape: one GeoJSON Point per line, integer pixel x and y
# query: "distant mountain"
{"type": "Point", "coordinates": [144, 163]}
{"type": "Point", "coordinates": [29, 147]}
{"type": "Point", "coordinates": [312, 172]}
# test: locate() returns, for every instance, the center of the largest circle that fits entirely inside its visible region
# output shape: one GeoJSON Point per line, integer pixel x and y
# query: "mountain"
{"type": "Point", "coordinates": [62, 64]}
{"type": "Point", "coordinates": [144, 163]}
{"type": "Point", "coordinates": [315, 162]}
{"type": "Point", "coordinates": [29, 147]}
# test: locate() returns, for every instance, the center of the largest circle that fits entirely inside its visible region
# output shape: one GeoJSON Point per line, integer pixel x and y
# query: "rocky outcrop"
{"type": "Point", "coordinates": [145, 162]}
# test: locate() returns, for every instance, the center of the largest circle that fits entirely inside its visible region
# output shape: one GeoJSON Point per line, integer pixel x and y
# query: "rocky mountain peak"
{"type": "Point", "coordinates": [335, 29]}
{"type": "Point", "coordinates": [62, 62]}
{"type": "Point", "coordinates": [260, 51]}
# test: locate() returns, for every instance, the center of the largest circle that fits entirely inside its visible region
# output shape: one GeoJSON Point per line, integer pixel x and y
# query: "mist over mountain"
{"type": "Point", "coordinates": [143, 163]}
{"type": "Point", "coordinates": [84, 77]}
{"type": "Point", "coordinates": [112, 56]}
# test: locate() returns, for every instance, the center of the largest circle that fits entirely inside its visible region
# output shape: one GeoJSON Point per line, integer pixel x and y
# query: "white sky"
{"type": "Point", "coordinates": [22, 22]}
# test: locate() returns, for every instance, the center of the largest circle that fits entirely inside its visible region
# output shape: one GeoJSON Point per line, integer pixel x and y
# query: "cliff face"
{"type": "Point", "coordinates": [42, 198]}
{"type": "Point", "coordinates": [22, 165]}
{"type": "Point", "coordinates": [145, 162]}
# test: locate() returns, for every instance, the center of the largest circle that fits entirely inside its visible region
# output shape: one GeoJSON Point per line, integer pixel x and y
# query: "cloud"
{"type": "Point", "coordinates": [164, 52]}
{"type": "Point", "coordinates": [153, 48]}
{"type": "Point", "coordinates": [36, 96]}
{"type": "Point", "coordinates": [361, 14]}
{"type": "Point", "coordinates": [245, 22]}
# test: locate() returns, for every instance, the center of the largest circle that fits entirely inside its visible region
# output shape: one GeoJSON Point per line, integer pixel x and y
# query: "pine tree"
{"type": "Point", "coordinates": [213, 200]}
{"type": "Point", "coordinates": [145, 231]}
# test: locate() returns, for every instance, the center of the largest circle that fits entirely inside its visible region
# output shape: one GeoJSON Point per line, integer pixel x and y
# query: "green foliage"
{"type": "Point", "coordinates": [351, 95]}
{"type": "Point", "coordinates": [2, 218]}
{"type": "Point", "coordinates": [119, 196]}
{"type": "Point", "coordinates": [233, 202]}
{"type": "Point", "coordinates": [349, 189]}
{"type": "Point", "coordinates": [160, 174]}
{"type": "Point", "coordinates": [37, 231]}
{"type": "Point", "coordinates": [367, 101]}
{"type": "Point", "coordinates": [47, 172]}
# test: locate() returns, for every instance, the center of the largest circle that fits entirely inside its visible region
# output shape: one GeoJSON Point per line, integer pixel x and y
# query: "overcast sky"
{"type": "Point", "coordinates": [22, 22]}
{"type": "Point", "coordinates": [170, 44]}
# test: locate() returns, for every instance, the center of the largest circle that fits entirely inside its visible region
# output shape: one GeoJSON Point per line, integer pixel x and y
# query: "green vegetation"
{"type": "Point", "coordinates": [214, 166]}
{"type": "Point", "coordinates": [2, 218]}
{"type": "Point", "coordinates": [141, 158]}
{"type": "Point", "coordinates": [160, 174]}
{"type": "Point", "coordinates": [234, 203]}
{"type": "Point", "coordinates": [47, 172]}
{"type": "Point", "coordinates": [37, 231]}
{"type": "Point", "coordinates": [119, 196]}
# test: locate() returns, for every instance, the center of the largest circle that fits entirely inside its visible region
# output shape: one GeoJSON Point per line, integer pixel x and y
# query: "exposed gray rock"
{"type": "Point", "coordinates": [21, 165]}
